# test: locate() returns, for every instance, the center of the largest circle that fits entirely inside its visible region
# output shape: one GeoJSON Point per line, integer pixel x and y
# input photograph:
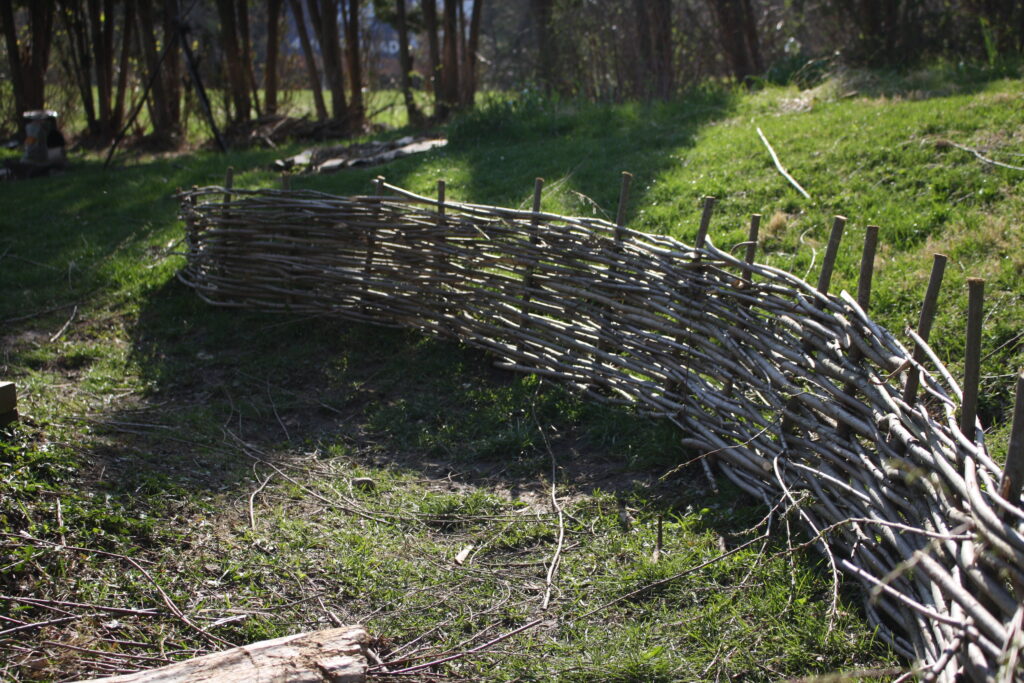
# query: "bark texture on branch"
{"type": "Point", "coordinates": [335, 655]}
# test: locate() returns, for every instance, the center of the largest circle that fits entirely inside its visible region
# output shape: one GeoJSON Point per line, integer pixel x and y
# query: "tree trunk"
{"type": "Point", "coordinates": [355, 71]}
{"type": "Point", "coordinates": [310, 59]}
{"type": "Point", "coordinates": [28, 62]}
{"type": "Point", "coordinates": [546, 57]}
{"type": "Point", "coordinates": [405, 61]}
{"type": "Point", "coordinates": [245, 43]}
{"type": "Point", "coordinates": [337, 654]}
{"type": "Point", "coordinates": [661, 48]}
{"type": "Point", "coordinates": [117, 116]}
{"type": "Point", "coordinates": [738, 32]}
{"type": "Point", "coordinates": [325, 17]}
{"type": "Point", "coordinates": [76, 28]}
{"type": "Point", "coordinates": [470, 57]}
{"type": "Point", "coordinates": [238, 87]}
{"type": "Point", "coordinates": [172, 65]}
{"type": "Point", "coordinates": [450, 66]}
{"type": "Point", "coordinates": [273, 50]}
{"type": "Point", "coordinates": [430, 20]}
{"type": "Point", "coordinates": [14, 63]}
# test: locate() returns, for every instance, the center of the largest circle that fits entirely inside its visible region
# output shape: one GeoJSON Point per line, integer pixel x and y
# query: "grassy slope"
{"type": "Point", "coordinates": [137, 413]}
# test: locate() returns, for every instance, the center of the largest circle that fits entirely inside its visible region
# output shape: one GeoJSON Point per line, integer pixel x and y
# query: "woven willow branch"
{"type": "Point", "coordinates": [788, 389]}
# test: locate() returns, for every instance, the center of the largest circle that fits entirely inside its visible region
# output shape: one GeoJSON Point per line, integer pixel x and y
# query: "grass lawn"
{"type": "Point", "coordinates": [185, 477]}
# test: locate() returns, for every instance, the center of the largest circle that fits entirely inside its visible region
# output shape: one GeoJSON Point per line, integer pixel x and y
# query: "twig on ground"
{"type": "Point", "coordinates": [977, 154]}
{"type": "Point", "coordinates": [252, 499]}
{"type": "Point", "coordinates": [778, 165]}
{"type": "Point", "coordinates": [478, 648]}
{"type": "Point", "coordinates": [64, 328]}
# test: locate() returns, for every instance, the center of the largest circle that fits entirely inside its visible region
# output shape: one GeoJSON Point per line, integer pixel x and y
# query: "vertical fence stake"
{"type": "Point", "coordinates": [972, 357]}
{"type": "Point", "coordinates": [620, 216]}
{"type": "Point", "coordinates": [286, 182]}
{"type": "Point", "coordinates": [924, 327]}
{"type": "Point", "coordinates": [378, 188]}
{"type": "Point", "coordinates": [831, 252]}
{"type": "Point", "coordinates": [229, 182]}
{"type": "Point", "coordinates": [705, 223]}
{"type": "Point", "coordinates": [867, 267]}
{"type": "Point", "coordinates": [528, 280]}
{"type": "Point", "coordinates": [867, 270]}
{"type": "Point", "coordinates": [1013, 473]}
{"type": "Point", "coordinates": [751, 251]}
{"type": "Point", "coordinates": [440, 202]}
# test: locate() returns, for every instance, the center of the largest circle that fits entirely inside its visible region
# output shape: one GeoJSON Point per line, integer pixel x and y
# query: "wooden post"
{"type": "Point", "coordinates": [972, 357]}
{"type": "Point", "coordinates": [378, 185]}
{"type": "Point", "coordinates": [286, 182]}
{"type": "Point", "coordinates": [229, 182]}
{"type": "Point", "coordinates": [8, 403]}
{"type": "Point", "coordinates": [528, 280]}
{"type": "Point", "coordinates": [705, 223]}
{"type": "Point", "coordinates": [751, 251]}
{"type": "Point", "coordinates": [867, 267]}
{"type": "Point", "coordinates": [1013, 473]}
{"type": "Point", "coordinates": [924, 326]}
{"type": "Point", "coordinates": [867, 270]}
{"type": "Point", "coordinates": [831, 252]}
{"type": "Point", "coordinates": [620, 216]}
{"type": "Point", "coordinates": [440, 202]}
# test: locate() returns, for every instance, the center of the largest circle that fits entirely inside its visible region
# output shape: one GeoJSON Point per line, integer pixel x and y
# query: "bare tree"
{"type": "Point", "coordinates": [541, 12]}
{"type": "Point", "coordinates": [450, 59]}
{"type": "Point", "coordinates": [324, 14]}
{"type": "Point", "coordinates": [310, 59]}
{"type": "Point", "coordinates": [356, 111]}
{"type": "Point", "coordinates": [163, 69]}
{"type": "Point", "coordinates": [471, 57]}
{"type": "Point", "coordinates": [737, 25]}
{"type": "Point", "coordinates": [29, 60]}
{"type": "Point", "coordinates": [272, 51]}
{"type": "Point", "coordinates": [405, 62]}
{"type": "Point", "coordinates": [430, 23]}
{"type": "Point", "coordinates": [238, 85]}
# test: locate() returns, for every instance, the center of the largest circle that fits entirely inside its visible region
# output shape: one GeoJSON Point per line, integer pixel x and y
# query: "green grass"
{"type": "Point", "coordinates": [151, 422]}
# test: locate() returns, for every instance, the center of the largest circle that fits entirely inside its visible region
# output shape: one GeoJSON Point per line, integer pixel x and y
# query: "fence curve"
{"type": "Point", "coordinates": [793, 391]}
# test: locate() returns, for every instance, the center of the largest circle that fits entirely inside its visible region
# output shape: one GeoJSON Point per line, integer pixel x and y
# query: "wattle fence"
{"type": "Point", "coordinates": [795, 393]}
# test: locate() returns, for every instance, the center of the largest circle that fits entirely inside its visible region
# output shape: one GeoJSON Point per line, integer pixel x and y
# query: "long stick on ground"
{"type": "Point", "coordinates": [778, 165]}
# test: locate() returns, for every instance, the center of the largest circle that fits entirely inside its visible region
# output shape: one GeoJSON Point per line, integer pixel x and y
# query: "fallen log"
{"type": "Point", "coordinates": [336, 655]}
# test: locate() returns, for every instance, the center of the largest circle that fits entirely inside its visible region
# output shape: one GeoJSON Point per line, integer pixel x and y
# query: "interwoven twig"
{"type": "Point", "coordinates": [789, 389]}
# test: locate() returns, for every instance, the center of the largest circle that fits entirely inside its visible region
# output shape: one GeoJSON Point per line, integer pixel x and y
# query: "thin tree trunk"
{"type": "Point", "coordinates": [81, 60]}
{"type": "Point", "coordinates": [450, 66]}
{"type": "Point", "coordinates": [325, 16]}
{"type": "Point", "coordinates": [430, 20]}
{"type": "Point", "coordinates": [546, 57]}
{"type": "Point", "coordinates": [13, 60]}
{"type": "Point", "coordinates": [405, 61]}
{"type": "Point", "coordinates": [246, 45]}
{"type": "Point", "coordinates": [124, 65]}
{"type": "Point", "coordinates": [172, 65]}
{"type": "Point", "coordinates": [237, 83]}
{"type": "Point", "coordinates": [661, 48]}
{"type": "Point", "coordinates": [310, 59]}
{"type": "Point", "coordinates": [738, 34]}
{"type": "Point", "coordinates": [273, 49]}
{"type": "Point", "coordinates": [355, 70]}
{"type": "Point", "coordinates": [470, 56]}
